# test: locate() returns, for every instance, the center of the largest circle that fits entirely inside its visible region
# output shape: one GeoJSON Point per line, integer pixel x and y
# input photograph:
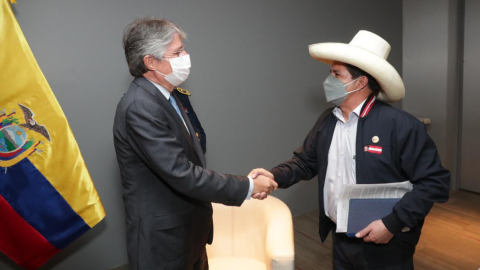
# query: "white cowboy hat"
{"type": "Point", "coordinates": [368, 52]}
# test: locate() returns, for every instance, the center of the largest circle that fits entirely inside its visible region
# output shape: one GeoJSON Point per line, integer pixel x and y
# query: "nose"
{"type": "Point", "coordinates": [184, 52]}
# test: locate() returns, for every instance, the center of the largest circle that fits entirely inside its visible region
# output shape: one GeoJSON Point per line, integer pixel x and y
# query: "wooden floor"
{"type": "Point", "coordinates": [450, 237]}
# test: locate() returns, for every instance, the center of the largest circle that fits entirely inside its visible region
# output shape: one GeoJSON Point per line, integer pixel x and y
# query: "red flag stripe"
{"type": "Point", "coordinates": [375, 149]}
{"type": "Point", "coordinates": [20, 241]}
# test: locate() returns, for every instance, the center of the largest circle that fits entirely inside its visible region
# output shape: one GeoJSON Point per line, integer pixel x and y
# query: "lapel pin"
{"type": "Point", "coordinates": [375, 139]}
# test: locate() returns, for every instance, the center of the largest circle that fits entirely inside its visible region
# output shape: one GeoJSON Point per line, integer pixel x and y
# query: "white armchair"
{"type": "Point", "coordinates": [257, 235]}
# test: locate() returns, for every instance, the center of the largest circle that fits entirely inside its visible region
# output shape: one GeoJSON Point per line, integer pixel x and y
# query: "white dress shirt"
{"type": "Point", "coordinates": [167, 95]}
{"type": "Point", "coordinates": [341, 160]}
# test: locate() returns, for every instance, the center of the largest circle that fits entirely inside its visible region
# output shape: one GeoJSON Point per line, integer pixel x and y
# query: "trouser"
{"type": "Point", "coordinates": [202, 263]}
{"type": "Point", "coordinates": [354, 253]}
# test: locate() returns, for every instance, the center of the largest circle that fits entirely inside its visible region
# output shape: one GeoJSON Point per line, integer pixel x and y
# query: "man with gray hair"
{"type": "Point", "coordinates": [166, 189]}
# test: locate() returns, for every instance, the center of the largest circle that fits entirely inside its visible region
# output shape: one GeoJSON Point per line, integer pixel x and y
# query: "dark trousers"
{"type": "Point", "coordinates": [202, 263]}
{"type": "Point", "coordinates": [354, 253]}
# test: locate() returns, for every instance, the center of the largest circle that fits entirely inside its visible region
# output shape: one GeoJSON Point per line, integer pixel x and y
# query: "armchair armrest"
{"type": "Point", "coordinates": [280, 244]}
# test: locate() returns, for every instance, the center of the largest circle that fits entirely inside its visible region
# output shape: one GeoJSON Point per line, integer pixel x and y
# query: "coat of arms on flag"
{"type": "Point", "coordinates": [47, 198]}
{"type": "Point", "coordinates": [15, 144]}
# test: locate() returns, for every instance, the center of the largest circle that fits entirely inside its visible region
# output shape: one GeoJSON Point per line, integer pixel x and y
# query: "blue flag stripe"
{"type": "Point", "coordinates": [32, 196]}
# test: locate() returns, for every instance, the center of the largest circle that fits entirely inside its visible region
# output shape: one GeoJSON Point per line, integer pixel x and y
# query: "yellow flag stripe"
{"type": "Point", "coordinates": [59, 160]}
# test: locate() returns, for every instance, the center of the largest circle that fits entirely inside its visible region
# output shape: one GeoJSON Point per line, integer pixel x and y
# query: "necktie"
{"type": "Point", "coordinates": [175, 105]}
{"type": "Point", "coordinates": [177, 109]}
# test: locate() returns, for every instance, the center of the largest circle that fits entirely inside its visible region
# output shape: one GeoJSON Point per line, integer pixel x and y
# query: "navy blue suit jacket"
{"type": "Point", "coordinates": [408, 153]}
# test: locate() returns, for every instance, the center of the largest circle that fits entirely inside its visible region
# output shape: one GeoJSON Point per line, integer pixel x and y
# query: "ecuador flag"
{"type": "Point", "coordinates": [47, 198]}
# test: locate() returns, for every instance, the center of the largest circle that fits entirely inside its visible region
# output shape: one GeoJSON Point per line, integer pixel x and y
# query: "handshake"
{"type": "Point", "coordinates": [263, 183]}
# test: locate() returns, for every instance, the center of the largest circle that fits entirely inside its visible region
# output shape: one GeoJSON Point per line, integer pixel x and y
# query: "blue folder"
{"type": "Point", "coordinates": [363, 211]}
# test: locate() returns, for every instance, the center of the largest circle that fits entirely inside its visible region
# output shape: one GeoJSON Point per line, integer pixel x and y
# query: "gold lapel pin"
{"type": "Point", "coordinates": [375, 139]}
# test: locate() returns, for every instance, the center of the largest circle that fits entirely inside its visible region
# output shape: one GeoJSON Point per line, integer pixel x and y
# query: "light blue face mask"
{"type": "Point", "coordinates": [335, 90]}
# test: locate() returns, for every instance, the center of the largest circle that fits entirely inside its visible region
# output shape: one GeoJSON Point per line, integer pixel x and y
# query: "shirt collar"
{"type": "Point", "coordinates": [338, 112]}
{"type": "Point", "coordinates": [162, 90]}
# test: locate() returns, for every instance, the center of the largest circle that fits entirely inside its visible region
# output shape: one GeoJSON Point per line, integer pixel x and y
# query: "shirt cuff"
{"type": "Point", "coordinates": [250, 190]}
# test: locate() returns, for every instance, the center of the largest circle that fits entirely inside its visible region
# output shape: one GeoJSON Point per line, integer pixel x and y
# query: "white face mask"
{"type": "Point", "coordinates": [180, 70]}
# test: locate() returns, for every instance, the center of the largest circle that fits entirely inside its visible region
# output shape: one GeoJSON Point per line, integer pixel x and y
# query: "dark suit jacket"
{"type": "Point", "coordinates": [166, 189]}
{"type": "Point", "coordinates": [408, 153]}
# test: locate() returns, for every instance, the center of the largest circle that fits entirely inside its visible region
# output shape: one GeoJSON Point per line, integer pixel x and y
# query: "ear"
{"type": "Point", "coordinates": [149, 62]}
{"type": "Point", "coordinates": [362, 82]}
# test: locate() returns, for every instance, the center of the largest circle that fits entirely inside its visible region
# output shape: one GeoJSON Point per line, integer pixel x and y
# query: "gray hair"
{"type": "Point", "coordinates": [147, 36]}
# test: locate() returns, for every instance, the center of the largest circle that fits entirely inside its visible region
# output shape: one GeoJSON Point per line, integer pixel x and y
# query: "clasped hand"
{"type": "Point", "coordinates": [263, 183]}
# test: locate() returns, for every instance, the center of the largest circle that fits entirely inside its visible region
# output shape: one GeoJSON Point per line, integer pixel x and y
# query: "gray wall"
{"type": "Point", "coordinates": [470, 145]}
{"type": "Point", "coordinates": [254, 85]}
{"type": "Point", "coordinates": [430, 70]}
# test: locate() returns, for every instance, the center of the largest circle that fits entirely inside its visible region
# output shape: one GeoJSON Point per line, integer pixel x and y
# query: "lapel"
{"type": "Point", "coordinates": [328, 127]}
{"type": "Point", "coordinates": [367, 106]}
{"type": "Point", "coordinates": [361, 174]}
{"type": "Point", "coordinates": [192, 136]}
{"type": "Point", "coordinates": [152, 90]}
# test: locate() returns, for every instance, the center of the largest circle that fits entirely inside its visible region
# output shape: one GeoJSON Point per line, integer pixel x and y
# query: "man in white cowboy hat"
{"type": "Point", "coordinates": [363, 140]}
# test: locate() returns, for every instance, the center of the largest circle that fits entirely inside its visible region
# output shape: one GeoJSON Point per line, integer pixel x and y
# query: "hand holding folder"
{"type": "Point", "coordinates": [362, 212]}
{"type": "Point", "coordinates": [376, 200]}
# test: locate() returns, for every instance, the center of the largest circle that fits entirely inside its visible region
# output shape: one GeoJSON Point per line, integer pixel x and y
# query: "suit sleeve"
{"type": "Point", "coordinates": [152, 140]}
{"type": "Point", "coordinates": [303, 164]}
{"type": "Point", "coordinates": [421, 164]}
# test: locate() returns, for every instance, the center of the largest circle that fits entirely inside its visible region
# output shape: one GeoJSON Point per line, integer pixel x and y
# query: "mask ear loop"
{"type": "Point", "coordinates": [352, 81]}
{"type": "Point", "coordinates": [160, 73]}
{"type": "Point", "coordinates": [353, 91]}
